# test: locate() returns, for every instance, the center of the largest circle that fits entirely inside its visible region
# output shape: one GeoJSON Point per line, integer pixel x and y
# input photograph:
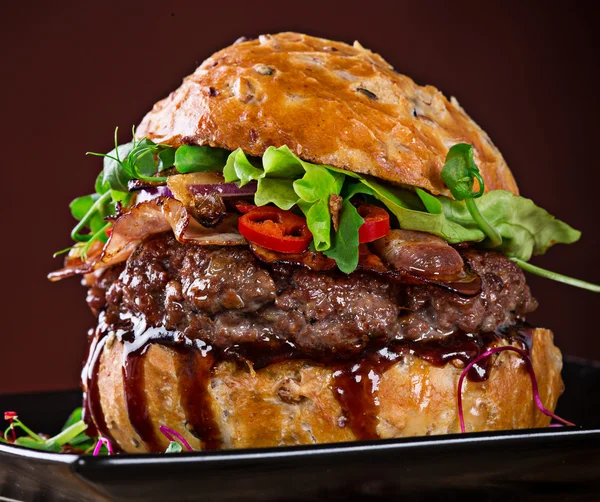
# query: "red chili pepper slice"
{"type": "Point", "coordinates": [275, 229]}
{"type": "Point", "coordinates": [376, 225]}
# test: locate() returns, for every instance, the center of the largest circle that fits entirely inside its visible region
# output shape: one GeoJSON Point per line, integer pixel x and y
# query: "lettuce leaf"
{"type": "Point", "coordinates": [192, 159]}
{"type": "Point", "coordinates": [526, 229]}
{"type": "Point", "coordinates": [285, 180]}
{"type": "Point", "coordinates": [344, 246]}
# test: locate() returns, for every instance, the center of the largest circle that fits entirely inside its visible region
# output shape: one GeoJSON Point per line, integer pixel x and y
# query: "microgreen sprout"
{"type": "Point", "coordinates": [459, 173]}
{"type": "Point", "coordinates": [530, 371]}
{"type": "Point", "coordinates": [107, 444]}
{"type": "Point", "coordinates": [71, 435]}
{"type": "Point", "coordinates": [170, 434]}
{"type": "Point", "coordinates": [138, 159]}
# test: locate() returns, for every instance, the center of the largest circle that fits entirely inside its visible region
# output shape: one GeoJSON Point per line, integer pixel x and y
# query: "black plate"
{"type": "Point", "coordinates": [547, 464]}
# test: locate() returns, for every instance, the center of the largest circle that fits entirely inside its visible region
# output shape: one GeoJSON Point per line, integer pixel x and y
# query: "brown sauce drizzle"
{"type": "Point", "coordinates": [356, 381]}
{"type": "Point", "coordinates": [355, 388]}
{"type": "Point", "coordinates": [356, 384]}
{"type": "Point", "coordinates": [135, 399]}
{"type": "Point", "coordinates": [92, 408]}
{"type": "Point", "coordinates": [195, 371]}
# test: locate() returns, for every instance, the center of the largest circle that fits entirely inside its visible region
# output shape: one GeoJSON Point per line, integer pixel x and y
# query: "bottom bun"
{"type": "Point", "coordinates": [294, 402]}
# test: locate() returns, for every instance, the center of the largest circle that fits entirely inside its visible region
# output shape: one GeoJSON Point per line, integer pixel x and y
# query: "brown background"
{"type": "Point", "coordinates": [70, 73]}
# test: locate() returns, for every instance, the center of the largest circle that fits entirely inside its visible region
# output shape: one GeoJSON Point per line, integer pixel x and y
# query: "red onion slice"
{"type": "Point", "coordinates": [146, 194]}
{"type": "Point", "coordinates": [225, 189]}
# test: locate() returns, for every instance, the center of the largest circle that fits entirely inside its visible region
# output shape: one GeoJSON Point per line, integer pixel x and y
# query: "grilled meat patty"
{"type": "Point", "coordinates": [226, 297]}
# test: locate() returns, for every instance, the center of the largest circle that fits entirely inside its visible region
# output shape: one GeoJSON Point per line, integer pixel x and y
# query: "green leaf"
{"type": "Point", "coordinates": [82, 441]}
{"type": "Point", "coordinates": [431, 203]}
{"type": "Point", "coordinates": [344, 248]}
{"type": "Point", "coordinates": [277, 191]}
{"type": "Point", "coordinates": [239, 168]}
{"type": "Point", "coordinates": [526, 229]}
{"type": "Point", "coordinates": [314, 190]}
{"type": "Point", "coordinates": [81, 205]}
{"type": "Point", "coordinates": [123, 197]}
{"type": "Point", "coordinates": [192, 159]}
{"type": "Point", "coordinates": [37, 445]}
{"type": "Point", "coordinates": [318, 220]}
{"type": "Point", "coordinates": [96, 222]}
{"type": "Point", "coordinates": [355, 188]}
{"type": "Point", "coordinates": [142, 160]}
{"type": "Point", "coordinates": [282, 163]}
{"type": "Point", "coordinates": [318, 183]}
{"type": "Point", "coordinates": [117, 178]}
{"type": "Point", "coordinates": [460, 171]}
{"type": "Point", "coordinates": [166, 158]}
{"type": "Point", "coordinates": [174, 448]}
{"type": "Point", "coordinates": [68, 434]}
{"type": "Point", "coordinates": [73, 418]}
{"type": "Point", "coordinates": [344, 172]}
{"type": "Point", "coordinates": [114, 173]}
{"type": "Point", "coordinates": [101, 185]}
{"type": "Point", "coordinates": [411, 214]}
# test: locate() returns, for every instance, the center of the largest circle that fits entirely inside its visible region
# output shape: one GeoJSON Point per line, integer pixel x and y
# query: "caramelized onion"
{"type": "Point", "coordinates": [207, 208]}
{"type": "Point", "coordinates": [159, 215]}
{"type": "Point", "coordinates": [422, 254]}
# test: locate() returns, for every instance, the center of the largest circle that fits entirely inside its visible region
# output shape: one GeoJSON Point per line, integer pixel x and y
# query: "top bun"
{"type": "Point", "coordinates": [331, 104]}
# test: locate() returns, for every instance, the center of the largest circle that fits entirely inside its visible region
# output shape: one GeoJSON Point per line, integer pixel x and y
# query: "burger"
{"type": "Point", "coordinates": [301, 245]}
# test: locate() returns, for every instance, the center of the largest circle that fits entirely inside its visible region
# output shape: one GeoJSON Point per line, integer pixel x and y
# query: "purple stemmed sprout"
{"type": "Point", "coordinates": [170, 434]}
{"type": "Point", "coordinates": [534, 384]}
{"type": "Point", "coordinates": [105, 442]}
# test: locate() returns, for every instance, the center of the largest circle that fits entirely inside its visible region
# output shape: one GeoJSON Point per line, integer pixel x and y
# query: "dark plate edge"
{"type": "Point", "coordinates": [299, 452]}
{"type": "Point", "coordinates": [279, 452]}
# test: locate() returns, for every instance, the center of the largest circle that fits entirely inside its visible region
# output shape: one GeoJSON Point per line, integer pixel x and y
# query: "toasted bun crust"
{"type": "Point", "coordinates": [331, 104]}
{"type": "Point", "coordinates": [251, 410]}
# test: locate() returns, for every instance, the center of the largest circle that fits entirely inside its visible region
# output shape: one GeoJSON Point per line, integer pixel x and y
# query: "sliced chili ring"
{"type": "Point", "coordinates": [376, 224]}
{"type": "Point", "coordinates": [275, 229]}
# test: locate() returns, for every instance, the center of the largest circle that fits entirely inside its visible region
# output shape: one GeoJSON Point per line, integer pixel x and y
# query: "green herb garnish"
{"type": "Point", "coordinates": [72, 434]}
{"type": "Point", "coordinates": [135, 160]}
{"type": "Point", "coordinates": [459, 173]}
{"type": "Point", "coordinates": [140, 160]}
{"type": "Point", "coordinates": [174, 448]}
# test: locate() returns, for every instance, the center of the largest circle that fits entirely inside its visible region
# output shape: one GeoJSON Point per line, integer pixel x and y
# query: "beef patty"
{"type": "Point", "coordinates": [226, 297]}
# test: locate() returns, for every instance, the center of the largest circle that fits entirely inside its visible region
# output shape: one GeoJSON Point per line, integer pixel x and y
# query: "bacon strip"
{"type": "Point", "coordinates": [148, 218]}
